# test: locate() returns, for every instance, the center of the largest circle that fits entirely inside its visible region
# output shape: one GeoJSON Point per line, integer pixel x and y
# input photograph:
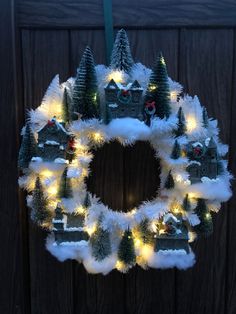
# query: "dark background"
{"type": "Point", "coordinates": [42, 38]}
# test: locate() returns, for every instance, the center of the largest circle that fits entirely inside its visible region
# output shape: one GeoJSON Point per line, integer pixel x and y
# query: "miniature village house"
{"type": "Point", "coordinates": [52, 141]}
{"type": "Point", "coordinates": [68, 227]}
{"type": "Point", "coordinates": [204, 161]}
{"type": "Point", "coordinates": [174, 236]}
{"type": "Point", "coordinates": [124, 101]}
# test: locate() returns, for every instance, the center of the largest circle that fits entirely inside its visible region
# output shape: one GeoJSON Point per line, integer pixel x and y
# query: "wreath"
{"type": "Point", "coordinates": [86, 112]}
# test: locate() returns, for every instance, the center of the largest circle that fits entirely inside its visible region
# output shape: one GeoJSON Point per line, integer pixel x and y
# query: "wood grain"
{"type": "Point", "coordinates": [145, 14]}
{"type": "Point", "coordinates": [12, 271]}
{"type": "Point", "coordinates": [231, 232]}
{"type": "Point", "coordinates": [44, 54]}
{"type": "Point", "coordinates": [206, 58]}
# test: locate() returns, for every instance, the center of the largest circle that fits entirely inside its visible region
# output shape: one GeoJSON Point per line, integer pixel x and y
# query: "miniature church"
{"type": "Point", "coordinates": [204, 161]}
{"type": "Point", "coordinates": [124, 101]}
{"type": "Point", "coordinates": [68, 227]}
{"type": "Point", "coordinates": [52, 141]}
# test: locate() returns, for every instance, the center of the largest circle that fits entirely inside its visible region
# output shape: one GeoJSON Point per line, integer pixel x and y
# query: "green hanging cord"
{"type": "Point", "coordinates": [109, 37]}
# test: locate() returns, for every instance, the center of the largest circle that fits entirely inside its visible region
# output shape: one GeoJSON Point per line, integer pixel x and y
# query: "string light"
{"type": "Point", "coordinates": [90, 229]}
{"type": "Point", "coordinates": [191, 123]}
{"type": "Point", "coordinates": [173, 95]}
{"type": "Point", "coordinates": [52, 190]}
{"type": "Point", "coordinates": [152, 87]}
{"type": "Point", "coordinates": [117, 76]}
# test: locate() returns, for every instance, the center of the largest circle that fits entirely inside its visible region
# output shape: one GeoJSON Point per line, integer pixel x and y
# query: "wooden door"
{"type": "Point", "coordinates": [40, 38]}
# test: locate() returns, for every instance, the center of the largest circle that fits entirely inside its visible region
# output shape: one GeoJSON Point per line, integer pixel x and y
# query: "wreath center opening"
{"type": "Point", "coordinates": [124, 176]}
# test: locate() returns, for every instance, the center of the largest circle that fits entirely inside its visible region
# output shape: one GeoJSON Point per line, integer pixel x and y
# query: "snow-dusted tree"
{"type": "Point", "coordinates": [205, 122]}
{"type": "Point", "coordinates": [158, 89]}
{"type": "Point", "coordinates": [121, 58]}
{"type": "Point", "coordinates": [181, 126]}
{"type": "Point", "coordinates": [87, 201]}
{"type": "Point", "coordinates": [85, 94]}
{"type": "Point", "coordinates": [206, 225]}
{"type": "Point", "coordinates": [126, 252]}
{"type": "Point", "coordinates": [169, 183]}
{"type": "Point", "coordinates": [145, 233]}
{"type": "Point", "coordinates": [176, 152]}
{"type": "Point", "coordinates": [186, 204]}
{"type": "Point", "coordinates": [28, 148]}
{"type": "Point", "coordinates": [66, 104]}
{"type": "Point", "coordinates": [65, 188]}
{"type": "Point", "coordinates": [100, 242]}
{"type": "Point", "coordinates": [40, 213]}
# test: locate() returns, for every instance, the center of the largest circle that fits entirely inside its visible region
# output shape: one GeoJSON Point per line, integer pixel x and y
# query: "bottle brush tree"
{"type": "Point", "coordinates": [206, 225]}
{"type": "Point", "coordinates": [145, 233]}
{"type": "Point", "coordinates": [28, 148]}
{"type": "Point", "coordinates": [181, 126]}
{"type": "Point", "coordinates": [121, 58]}
{"type": "Point", "coordinates": [170, 183]}
{"type": "Point", "coordinates": [85, 93]}
{"type": "Point", "coordinates": [176, 152]}
{"type": "Point", "coordinates": [205, 122]}
{"type": "Point", "coordinates": [40, 213]}
{"type": "Point", "coordinates": [186, 204]}
{"type": "Point", "coordinates": [100, 242]}
{"type": "Point", "coordinates": [158, 90]}
{"type": "Point", "coordinates": [126, 252]}
{"type": "Point", "coordinates": [66, 104]}
{"type": "Point", "coordinates": [65, 188]}
{"type": "Point", "coordinates": [87, 201]}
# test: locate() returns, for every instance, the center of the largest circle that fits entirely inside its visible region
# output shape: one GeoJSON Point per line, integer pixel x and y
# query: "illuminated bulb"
{"type": "Point", "coordinates": [52, 190]}
{"type": "Point", "coordinates": [191, 123]}
{"type": "Point", "coordinates": [208, 215]}
{"type": "Point", "coordinates": [152, 87]}
{"type": "Point", "coordinates": [117, 76]}
{"type": "Point", "coordinates": [191, 195]}
{"type": "Point", "coordinates": [173, 95]}
{"type": "Point", "coordinates": [46, 173]}
{"type": "Point", "coordinates": [80, 210]}
{"type": "Point", "coordinates": [146, 251]}
{"type": "Point", "coordinates": [137, 242]}
{"type": "Point", "coordinates": [163, 61]}
{"type": "Point", "coordinates": [120, 265]}
{"type": "Point", "coordinates": [90, 229]}
{"type": "Point", "coordinates": [97, 137]}
{"type": "Point", "coordinates": [179, 178]}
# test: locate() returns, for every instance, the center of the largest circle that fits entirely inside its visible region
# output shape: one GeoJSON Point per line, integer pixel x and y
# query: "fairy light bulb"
{"type": "Point", "coordinates": [191, 123]}
{"type": "Point", "coordinates": [117, 76]}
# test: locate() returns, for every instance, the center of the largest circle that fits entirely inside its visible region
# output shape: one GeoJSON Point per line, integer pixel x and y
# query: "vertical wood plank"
{"type": "Point", "coordinates": [44, 54]}
{"type": "Point", "coordinates": [106, 182]}
{"type": "Point", "coordinates": [206, 70]}
{"type": "Point", "coordinates": [147, 285]}
{"type": "Point", "coordinates": [231, 232]}
{"type": "Point", "coordinates": [13, 292]}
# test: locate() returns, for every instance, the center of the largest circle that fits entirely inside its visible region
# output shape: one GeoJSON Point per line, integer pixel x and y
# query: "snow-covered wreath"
{"type": "Point", "coordinates": [126, 102]}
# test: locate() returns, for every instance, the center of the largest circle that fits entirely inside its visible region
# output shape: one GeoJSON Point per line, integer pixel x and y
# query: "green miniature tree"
{"type": "Point", "coordinates": [87, 201]}
{"type": "Point", "coordinates": [220, 167]}
{"type": "Point", "coordinates": [158, 89]}
{"type": "Point", "coordinates": [28, 148]}
{"type": "Point", "coordinates": [181, 126]}
{"type": "Point", "coordinates": [100, 242]}
{"type": "Point", "coordinates": [66, 106]}
{"type": "Point", "coordinates": [176, 152]}
{"type": "Point", "coordinates": [206, 225]}
{"type": "Point", "coordinates": [84, 96]}
{"type": "Point", "coordinates": [121, 58]}
{"type": "Point", "coordinates": [145, 233]}
{"type": "Point", "coordinates": [40, 213]}
{"type": "Point", "coordinates": [205, 122]}
{"type": "Point", "coordinates": [126, 252]}
{"type": "Point", "coordinates": [186, 204]}
{"type": "Point", "coordinates": [170, 183]}
{"type": "Point", "coordinates": [65, 188]}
